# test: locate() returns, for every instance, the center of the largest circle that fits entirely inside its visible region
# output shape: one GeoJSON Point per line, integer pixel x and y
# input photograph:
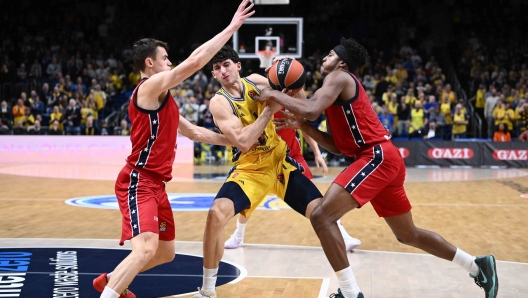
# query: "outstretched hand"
{"type": "Point", "coordinates": [289, 121]}
{"type": "Point", "coordinates": [242, 14]}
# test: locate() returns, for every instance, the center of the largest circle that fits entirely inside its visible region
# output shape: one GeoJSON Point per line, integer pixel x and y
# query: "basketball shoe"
{"type": "Point", "coordinates": [100, 282]}
{"type": "Point", "coordinates": [487, 278]}
{"type": "Point", "coordinates": [202, 293]}
{"type": "Point", "coordinates": [233, 242]}
{"type": "Point", "coordinates": [340, 295]}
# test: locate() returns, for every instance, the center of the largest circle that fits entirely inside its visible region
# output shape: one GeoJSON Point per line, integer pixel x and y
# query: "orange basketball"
{"type": "Point", "coordinates": [287, 73]}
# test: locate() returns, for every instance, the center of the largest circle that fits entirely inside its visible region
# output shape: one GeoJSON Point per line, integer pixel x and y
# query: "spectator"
{"type": "Point", "coordinates": [502, 135]}
{"type": "Point", "coordinates": [38, 105]}
{"type": "Point", "coordinates": [459, 123]}
{"type": "Point", "coordinates": [4, 129]}
{"type": "Point", "coordinates": [53, 69]}
{"type": "Point", "coordinates": [368, 83]}
{"type": "Point", "coordinates": [36, 129]}
{"type": "Point", "coordinates": [20, 129]}
{"type": "Point", "coordinates": [387, 120]}
{"type": "Point", "coordinates": [524, 136]}
{"type": "Point", "coordinates": [201, 79]}
{"type": "Point", "coordinates": [438, 118]}
{"type": "Point", "coordinates": [90, 129]}
{"type": "Point", "coordinates": [19, 111]}
{"type": "Point", "coordinates": [55, 129]}
{"type": "Point", "coordinates": [431, 131]}
{"type": "Point", "coordinates": [480, 101]}
{"type": "Point", "coordinates": [410, 99]}
{"type": "Point", "coordinates": [430, 105]}
{"type": "Point", "coordinates": [521, 117]}
{"type": "Point", "coordinates": [55, 97]}
{"type": "Point", "coordinates": [189, 110]}
{"type": "Point", "coordinates": [417, 121]}
{"type": "Point", "coordinates": [387, 95]}
{"type": "Point", "coordinates": [491, 102]}
{"type": "Point", "coordinates": [56, 115]}
{"type": "Point", "coordinates": [72, 119]}
{"type": "Point", "coordinates": [123, 129]}
{"type": "Point", "coordinates": [104, 130]}
{"type": "Point", "coordinates": [501, 114]}
{"type": "Point", "coordinates": [393, 108]}
{"type": "Point", "coordinates": [6, 115]}
{"type": "Point", "coordinates": [449, 93]}
{"type": "Point", "coordinates": [445, 108]}
{"type": "Point", "coordinates": [28, 119]}
{"type": "Point", "coordinates": [403, 112]}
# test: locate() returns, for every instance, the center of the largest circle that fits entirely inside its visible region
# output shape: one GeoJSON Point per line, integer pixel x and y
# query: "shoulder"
{"type": "Point", "coordinates": [259, 81]}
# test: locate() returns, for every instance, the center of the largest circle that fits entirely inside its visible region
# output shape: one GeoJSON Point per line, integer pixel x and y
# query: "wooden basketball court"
{"type": "Point", "coordinates": [479, 210]}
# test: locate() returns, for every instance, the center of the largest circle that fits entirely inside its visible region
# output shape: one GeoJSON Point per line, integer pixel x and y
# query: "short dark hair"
{"type": "Point", "coordinates": [225, 53]}
{"type": "Point", "coordinates": [146, 48]}
{"type": "Point", "coordinates": [358, 55]}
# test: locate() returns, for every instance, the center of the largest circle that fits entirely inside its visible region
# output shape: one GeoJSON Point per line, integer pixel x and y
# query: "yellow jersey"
{"type": "Point", "coordinates": [459, 128]}
{"type": "Point", "coordinates": [417, 119]}
{"type": "Point", "coordinates": [480, 102]}
{"type": "Point", "coordinates": [248, 110]}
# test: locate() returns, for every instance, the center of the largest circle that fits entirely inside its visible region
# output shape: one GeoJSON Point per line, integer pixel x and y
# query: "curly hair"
{"type": "Point", "coordinates": [225, 53]}
{"type": "Point", "coordinates": [359, 56]}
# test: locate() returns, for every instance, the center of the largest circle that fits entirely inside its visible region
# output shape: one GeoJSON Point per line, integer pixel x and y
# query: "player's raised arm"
{"type": "Point", "coordinates": [310, 108]}
{"type": "Point", "coordinates": [163, 81]}
{"type": "Point", "coordinates": [243, 137]}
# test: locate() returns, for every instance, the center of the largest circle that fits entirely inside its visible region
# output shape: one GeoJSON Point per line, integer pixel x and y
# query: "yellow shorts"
{"type": "Point", "coordinates": [268, 175]}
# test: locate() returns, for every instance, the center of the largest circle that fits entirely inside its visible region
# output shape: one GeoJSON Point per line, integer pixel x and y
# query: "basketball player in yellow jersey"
{"type": "Point", "coordinates": [258, 169]}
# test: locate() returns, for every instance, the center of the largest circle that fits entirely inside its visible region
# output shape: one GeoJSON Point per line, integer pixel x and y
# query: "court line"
{"type": "Point", "coordinates": [324, 287]}
{"type": "Point", "coordinates": [265, 246]}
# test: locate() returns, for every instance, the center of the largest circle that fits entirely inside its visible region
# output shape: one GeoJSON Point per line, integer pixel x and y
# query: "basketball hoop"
{"type": "Point", "coordinates": [266, 58]}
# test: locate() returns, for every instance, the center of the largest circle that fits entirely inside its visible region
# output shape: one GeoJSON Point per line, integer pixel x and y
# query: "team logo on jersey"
{"type": "Point", "coordinates": [280, 177]}
{"type": "Point", "coordinates": [235, 175]}
{"type": "Point", "coordinates": [263, 139]}
{"type": "Point", "coordinates": [163, 226]}
{"type": "Point", "coordinates": [252, 93]}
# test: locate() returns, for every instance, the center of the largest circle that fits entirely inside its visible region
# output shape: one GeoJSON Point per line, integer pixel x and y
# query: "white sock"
{"type": "Point", "coordinates": [209, 279]}
{"type": "Point", "coordinates": [109, 293]}
{"type": "Point", "coordinates": [466, 261]}
{"type": "Point", "coordinates": [108, 276]}
{"type": "Point", "coordinates": [342, 229]}
{"type": "Point", "coordinates": [347, 283]}
{"type": "Point", "coordinates": [241, 228]}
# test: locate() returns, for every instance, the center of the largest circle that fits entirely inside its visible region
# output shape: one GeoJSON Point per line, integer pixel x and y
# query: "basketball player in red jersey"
{"type": "Point", "coordinates": [291, 137]}
{"type": "Point", "coordinates": [140, 187]}
{"type": "Point", "coordinates": [376, 176]}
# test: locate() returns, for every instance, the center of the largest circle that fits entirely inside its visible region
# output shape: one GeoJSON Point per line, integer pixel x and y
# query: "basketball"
{"type": "Point", "coordinates": [287, 73]}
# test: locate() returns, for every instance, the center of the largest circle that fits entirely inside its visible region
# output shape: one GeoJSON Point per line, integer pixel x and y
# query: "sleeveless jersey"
{"type": "Point", "coordinates": [290, 136]}
{"type": "Point", "coordinates": [153, 135]}
{"type": "Point", "coordinates": [354, 124]}
{"type": "Point", "coordinates": [247, 110]}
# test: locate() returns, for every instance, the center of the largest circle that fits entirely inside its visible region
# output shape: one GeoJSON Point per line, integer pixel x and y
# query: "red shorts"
{"type": "Point", "coordinates": [300, 159]}
{"type": "Point", "coordinates": [377, 177]}
{"type": "Point", "coordinates": [144, 205]}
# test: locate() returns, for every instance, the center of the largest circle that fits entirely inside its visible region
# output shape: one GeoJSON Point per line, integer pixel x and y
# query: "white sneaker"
{"type": "Point", "coordinates": [204, 294]}
{"type": "Point", "coordinates": [351, 243]}
{"type": "Point", "coordinates": [233, 242]}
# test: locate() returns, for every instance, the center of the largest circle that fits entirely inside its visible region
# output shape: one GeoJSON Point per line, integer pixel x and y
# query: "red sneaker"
{"type": "Point", "coordinates": [100, 282]}
{"type": "Point", "coordinates": [127, 294]}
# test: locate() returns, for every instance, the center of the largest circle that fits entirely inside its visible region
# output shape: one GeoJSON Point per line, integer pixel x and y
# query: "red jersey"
{"type": "Point", "coordinates": [354, 124]}
{"type": "Point", "coordinates": [153, 135]}
{"type": "Point", "coordinates": [289, 136]}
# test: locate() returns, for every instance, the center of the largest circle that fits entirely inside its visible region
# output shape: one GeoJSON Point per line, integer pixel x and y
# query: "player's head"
{"type": "Point", "coordinates": [348, 55]}
{"type": "Point", "coordinates": [225, 65]}
{"type": "Point", "coordinates": [150, 55]}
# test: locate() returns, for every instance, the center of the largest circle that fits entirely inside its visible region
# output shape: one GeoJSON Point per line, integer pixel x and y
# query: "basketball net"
{"type": "Point", "coordinates": [266, 57]}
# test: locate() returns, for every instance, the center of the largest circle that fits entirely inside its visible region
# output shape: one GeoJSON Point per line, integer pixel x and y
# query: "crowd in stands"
{"type": "Point", "coordinates": [492, 65]}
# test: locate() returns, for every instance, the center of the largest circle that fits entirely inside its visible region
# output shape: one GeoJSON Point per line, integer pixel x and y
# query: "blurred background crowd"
{"type": "Point", "coordinates": [440, 70]}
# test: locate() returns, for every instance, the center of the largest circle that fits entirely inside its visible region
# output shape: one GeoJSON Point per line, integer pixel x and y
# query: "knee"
{"type": "Point", "coordinates": [408, 238]}
{"type": "Point", "coordinates": [146, 251]}
{"type": "Point", "coordinates": [319, 219]}
{"type": "Point", "coordinates": [217, 214]}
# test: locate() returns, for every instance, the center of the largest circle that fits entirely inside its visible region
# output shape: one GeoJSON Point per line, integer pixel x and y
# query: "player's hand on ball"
{"type": "Point", "coordinates": [264, 96]}
{"type": "Point", "coordinates": [278, 58]}
{"type": "Point", "coordinates": [289, 121]}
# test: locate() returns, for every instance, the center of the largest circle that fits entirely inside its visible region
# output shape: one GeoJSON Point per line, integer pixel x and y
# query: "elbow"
{"type": "Point", "coordinates": [312, 115]}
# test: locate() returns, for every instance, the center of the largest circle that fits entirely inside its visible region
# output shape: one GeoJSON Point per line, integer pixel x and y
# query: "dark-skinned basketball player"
{"type": "Point", "coordinates": [140, 186]}
{"type": "Point", "coordinates": [258, 169]}
{"type": "Point", "coordinates": [291, 137]}
{"type": "Point", "coordinates": [376, 176]}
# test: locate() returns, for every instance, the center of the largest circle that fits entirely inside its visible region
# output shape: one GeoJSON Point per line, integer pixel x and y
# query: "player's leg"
{"type": "Point", "coordinates": [237, 238]}
{"type": "Point", "coordinates": [230, 200]}
{"type": "Point", "coordinates": [350, 242]}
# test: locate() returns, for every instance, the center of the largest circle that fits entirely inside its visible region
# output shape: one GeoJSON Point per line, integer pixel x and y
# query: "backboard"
{"type": "Point", "coordinates": [284, 34]}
